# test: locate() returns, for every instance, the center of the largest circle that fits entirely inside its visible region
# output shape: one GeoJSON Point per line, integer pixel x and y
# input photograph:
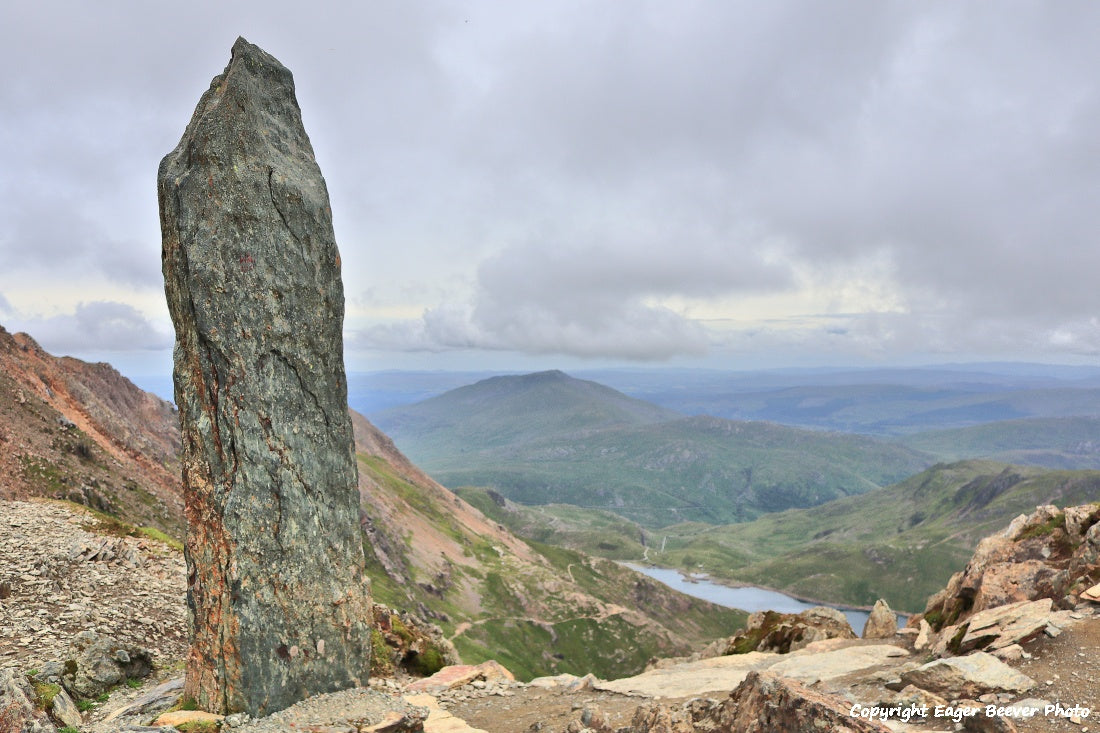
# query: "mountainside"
{"type": "Point", "coordinates": [84, 433]}
{"type": "Point", "coordinates": [1066, 442]}
{"type": "Point", "coordinates": [900, 543]}
{"type": "Point", "coordinates": [534, 441]}
{"type": "Point", "coordinates": [537, 609]}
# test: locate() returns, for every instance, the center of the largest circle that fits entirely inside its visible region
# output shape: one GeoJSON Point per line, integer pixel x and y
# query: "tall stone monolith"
{"type": "Point", "coordinates": [278, 602]}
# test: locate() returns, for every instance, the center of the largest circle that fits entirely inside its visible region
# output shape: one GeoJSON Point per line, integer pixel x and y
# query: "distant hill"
{"type": "Point", "coordinates": [513, 410]}
{"type": "Point", "coordinates": [1067, 442]}
{"type": "Point", "coordinates": [548, 438]}
{"type": "Point", "coordinates": [885, 401]}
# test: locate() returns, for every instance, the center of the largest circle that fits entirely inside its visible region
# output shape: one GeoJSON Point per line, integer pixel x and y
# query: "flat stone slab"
{"type": "Point", "coordinates": [448, 678]}
{"type": "Point", "coordinates": [457, 675]}
{"type": "Point", "coordinates": [179, 717]}
{"type": "Point", "coordinates": [718, 674]}
{"type": "Point", "coordinates": [439, 720]}
{"type": "Point", "coordinates": [996, 628]}
{"type": "Point", "coordinates": [967, 677]}
{"type": "Point", "coordinates": [812, 668]}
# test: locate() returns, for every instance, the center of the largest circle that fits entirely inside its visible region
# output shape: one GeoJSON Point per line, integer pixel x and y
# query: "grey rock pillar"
{"type": "Point", "coordinates": [278, 602]}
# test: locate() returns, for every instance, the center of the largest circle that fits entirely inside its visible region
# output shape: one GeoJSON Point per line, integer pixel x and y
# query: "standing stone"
{"type": "Point", "coordinates": [882, 623]}
{"type": "Point", "coordinates": [278, 602]}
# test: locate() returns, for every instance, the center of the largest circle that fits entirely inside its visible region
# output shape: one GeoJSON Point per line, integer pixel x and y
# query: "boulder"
{"type": "Point", "coordinates": [763, 703]}
{"type": "Point", "coordinates": [97, 663]}
{"type": "Point", "coordinates": [1012, 582]}
{"type": "Point", "coordinates": [770, 631]}
{"type": "Point", "coordinates": [157, 700]}
{"type": "Point", "coordinates": [65, 711]}
{"type": "Point", "coordinates": [970, 676]}
{"type": "Point", "coordinates": [924, 634]}
{"type": "Point", "coordinates": [458, 675]}
{"type": "Point", "coordinates": [882, 623]}
{"type": "Point", "coordinates": [448, 678]}
{"type": "Point", "coordinates": [277, 594]}
{"type": "Point", "coordinates": [1049, 553]}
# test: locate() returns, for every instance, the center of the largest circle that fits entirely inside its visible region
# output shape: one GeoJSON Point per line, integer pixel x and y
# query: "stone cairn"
{"type": "Point", "coordinates": [278, 600]}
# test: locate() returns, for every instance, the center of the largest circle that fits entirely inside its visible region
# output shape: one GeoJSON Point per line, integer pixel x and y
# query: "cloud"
{"type": "Point", "coordinates": [605, 179]}
{"type": "Point", "coordinates": [99, 326]}
{"type": "Point", "coordinates": [596, 300]}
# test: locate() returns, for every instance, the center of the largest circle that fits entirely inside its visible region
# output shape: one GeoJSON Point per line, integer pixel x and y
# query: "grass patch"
{"type": "Point", "coordinates": [198, 726]}
{"type": "Point", "coordinates": [1045, 529]}
{"type": "Point", "coordinates": [155, 534]}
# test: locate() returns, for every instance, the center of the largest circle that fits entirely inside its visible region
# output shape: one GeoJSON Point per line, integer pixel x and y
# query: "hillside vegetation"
{"type": "Point", "coordinates": [547, 438]}
{"type": "Point", "coordinates": [900, 543]}
{"type": "Point", "coordinates": [536, 608]}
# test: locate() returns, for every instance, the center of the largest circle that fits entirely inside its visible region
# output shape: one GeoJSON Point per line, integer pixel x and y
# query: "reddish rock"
{"type": "Point", "coordinates": [765, 703]}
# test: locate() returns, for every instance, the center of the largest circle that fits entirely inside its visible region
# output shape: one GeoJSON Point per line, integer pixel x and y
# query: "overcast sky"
{"type": "Point", "coordinates": [544, 184]}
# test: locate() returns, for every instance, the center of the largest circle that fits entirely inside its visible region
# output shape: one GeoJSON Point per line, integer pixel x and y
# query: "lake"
{"type": "Point", "coordinates": [748, 598]}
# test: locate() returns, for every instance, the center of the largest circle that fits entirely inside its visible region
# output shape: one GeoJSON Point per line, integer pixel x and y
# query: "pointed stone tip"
{"type": "Point", "coordinates": [249, 54]}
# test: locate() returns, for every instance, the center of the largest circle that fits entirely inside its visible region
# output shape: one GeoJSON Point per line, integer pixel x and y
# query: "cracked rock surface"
{"type": "Point", "coordinates": [278, 602]}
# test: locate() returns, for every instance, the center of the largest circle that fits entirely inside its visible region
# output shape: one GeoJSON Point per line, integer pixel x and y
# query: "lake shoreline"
{"type": "Point", "coordinates": [747, 597]}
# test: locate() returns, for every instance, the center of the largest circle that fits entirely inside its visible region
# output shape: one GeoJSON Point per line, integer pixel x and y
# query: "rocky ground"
{"type": "Point", "coordinates": [61, 576]}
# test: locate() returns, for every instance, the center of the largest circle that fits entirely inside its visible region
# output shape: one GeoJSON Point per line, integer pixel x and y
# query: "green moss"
{"type": "Point", "coordinates": [934, 619]}
{"type": "Point", "coordinates": [1046, 528]}
{"type": "Point", "coordinates": [427, 663]}
{"type": "Point", "coordinates": [44, 694]}
{"type": "Point", "coordinates": [381, 660]}
{"type": "Point", "coordinates": [399, 628]}
{"type": "Point", "coordinates": [68, 729]}
{"type": "Point", "coordinates": [956, 640]}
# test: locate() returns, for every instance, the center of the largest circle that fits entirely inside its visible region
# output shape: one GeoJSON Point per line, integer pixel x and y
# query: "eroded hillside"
{"type": "Point", "coordinates": [84, 433]}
